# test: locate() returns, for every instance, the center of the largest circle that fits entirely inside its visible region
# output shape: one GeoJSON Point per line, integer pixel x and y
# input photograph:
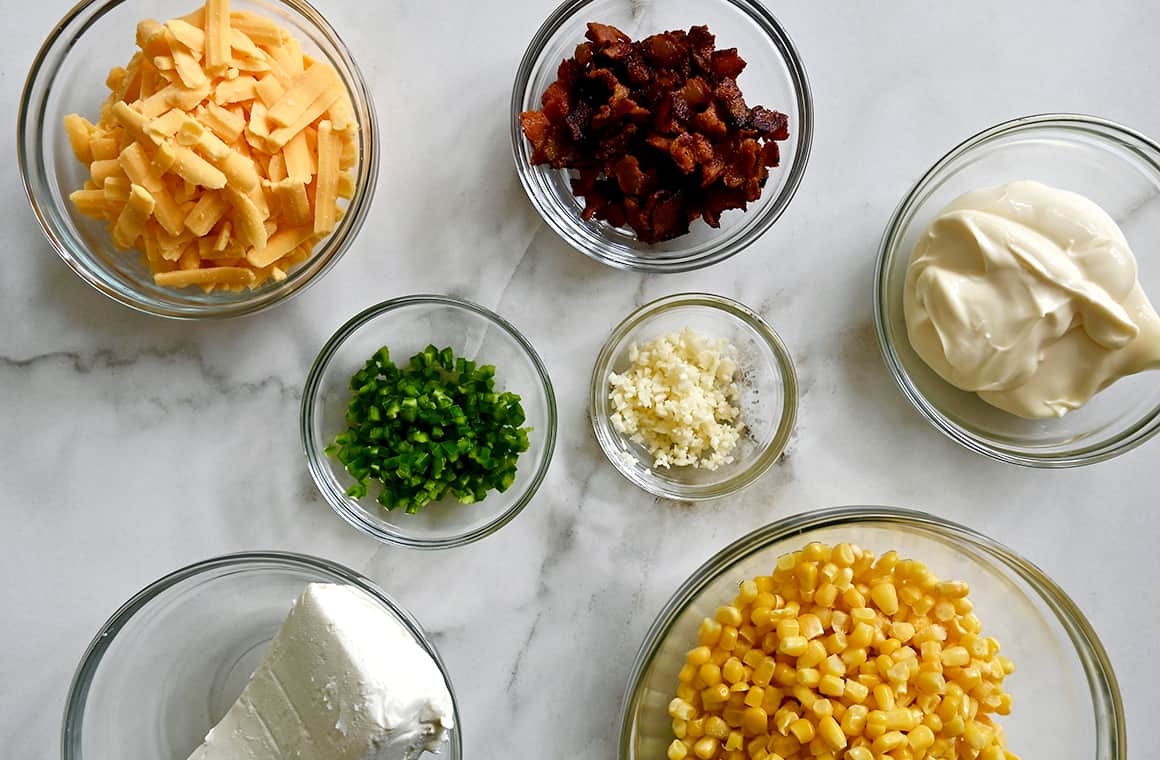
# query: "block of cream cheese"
{"type": "Point", "coordinates": [343, 680]}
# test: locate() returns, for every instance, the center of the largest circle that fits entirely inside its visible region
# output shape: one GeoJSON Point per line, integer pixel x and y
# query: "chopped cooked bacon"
{"type": "Point", "coordinates": [657, 132]}
{"type": "Point", "coordinates": [605, 35]}
{"type": "Point", "coordinates": [726, 63]}
{"type": "Point", "coordinates": [771, 124]}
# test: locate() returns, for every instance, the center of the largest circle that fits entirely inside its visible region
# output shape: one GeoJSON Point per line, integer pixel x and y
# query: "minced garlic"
{"type": "Point", "coordinates": [679, 400]}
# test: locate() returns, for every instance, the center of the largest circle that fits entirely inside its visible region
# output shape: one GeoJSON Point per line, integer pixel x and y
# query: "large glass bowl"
{"type": "Point", "coordinates": [406, 326]}
{"type": "Point", "coordinates": [774, 78]}
{"type": "Point", "coordinates": [68, 76]}
{"type": "Point", "coordinates": [1112, 165]}
{"type": "Point", "coordinates": [1066, 702]}
{"type": "Point", "coordinates": [168, 665]}
{"type": "Point", "coordinates": [766, 379]}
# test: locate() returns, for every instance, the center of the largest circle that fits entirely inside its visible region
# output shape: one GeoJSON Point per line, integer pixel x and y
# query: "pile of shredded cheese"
{"type": "Point", "coordinates": [679, 400]}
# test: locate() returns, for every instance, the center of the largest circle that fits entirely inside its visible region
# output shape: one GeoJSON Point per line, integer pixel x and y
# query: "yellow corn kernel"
{"type": "Point", "coordinates": [889, 646]}
{"type": "Point", "coordinates": [709, 633]}
{"type": "Point", "coordinates": [698, 656]}
{"type": "Point", "coordinates": [810, 625]}
{"type": "Point", "coordinates": [859, 753]}
{"type": "Point", "coordinates": [853, 658]}
{"type": "Point", "coordinates": [835, 643]}
{"type": "Point", "coordinates": [977, 735]}
{"type": "Point", "coordinates": [763, 673]}
{"type": "Point", "coordinates": [706, 748]}
{"type": "Point", "coordinates": [875, 723]}
{"type": "Point", "coordinates": [861, 636]}
{"type": "Point", "coordinates": [854, 720]}
{"type": "Point", "coordinates": [716, 727]}
{"type": "Point", "coordinates": [952, 589]}
{"type": "Point", "coordinates": [754, 697]}
{"type": "Point", "coordinates": [695, 728]}
{"type": "Point", "coordinates": [732, 671]}
{"type": "Point", "coordinates": [747, 593]}
{"type": "Point", "coordinates": [715, 695]}
{"type": "Point", "coordinates": [831, 734]}
{"type": "Point", "coordinates": [754, 721]}
{"type": "Point", "coordinates": [855, 691]}
{"type": "Point", "coordinates": [826, 595]}
{"type": "Point", "coordinates": [993, 752]}
{"type": "Point", "coordinates": [807, 576]}
{"type": "Point", "coordinates": [853, 598]}
{"type": "Point", "coordinates": [804, 695]}
{"type": "Point", "coordinates": [735, 741]}
{"type": "Point", "coordinates": [900, 719]}
{"type": "Point", "coordinates": [728, 640]}
{"type": "Point", "coordinates": [920, 739]}
{"type": "Point", "coordinates": [955, 657]}
{"type": "Point", "coordinates": [710, 674]}
{"type": "Point", "coordinates": [885, 597]}
{"type": "Point", "coordinates": [728, 615]}
{"type": "Point", "coordinates": [687, 674]}
{"type": "Point", "coordinates": [783, 719]}
{"type": "Point", "coordinates": [883, 697]}
{"type": "Point", "coordinates": [682, 710]}
{"type": "Point", "coordinates": [902, 631]}
{"type": "Point", "coordinates": [923, 604]}
{"type": "Point", "coordinates": [833, 666]}
{"type": "Point", "coordinates": [686, 692]}
{"type": "Point", "coordinates": [680, 728]}
{"type": "Point", "coordinates": [802, 730]}
{"type": "Point", "coordinates": [888, 742]}
{"type": "Point", "coordinates": [760, 616]}
{"type": "Point", "coordinates": [832, 686]}
{"type": "Point", "coordinates": [784, 674]}
{"type": "Point", "coordinates": [809, 677]}
{"type": "Point", "coordinates": [930, 683]}
{"type": "Point", "coordinates": [677, 750]}
{"type": "Point", "coordinates": [785, 746]}
{"type": "Point", "coordinates": [753, 658]}
{"type": "Point", "coordinates": [794, 646]}
{"type": "Point", "coordinates": [954, 727]}
{"type": "Point", "coordinates": [898, 673]}
{"type": "Point", "coordinates": [813, 656]}
{"type": "Point", "coordinates": [788, 629]}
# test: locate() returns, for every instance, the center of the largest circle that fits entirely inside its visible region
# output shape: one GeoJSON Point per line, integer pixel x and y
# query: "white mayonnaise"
{"type": "Point", "coordinates": [1028, 295]}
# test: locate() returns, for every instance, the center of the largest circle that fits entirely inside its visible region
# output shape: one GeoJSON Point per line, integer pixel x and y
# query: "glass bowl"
{"type": "Point", "coordinates": [773, 78]}
{"type": "Point", "coordinates": [766, 377]}
{"type": "Point", "coordinates": [1066, 702]}
{"type": "Point", "coordinates": [1114, 166]}
{"type": "Point", "coordinates": [407, 325]}
{"type": "Point", "coordinates": [168, 665]}
{"type": "Point", "coordinates": [68, 76]}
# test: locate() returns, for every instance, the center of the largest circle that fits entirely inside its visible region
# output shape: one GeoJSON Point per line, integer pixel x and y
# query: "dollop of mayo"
{"type": "Point", "coordinates": [1027, 295]}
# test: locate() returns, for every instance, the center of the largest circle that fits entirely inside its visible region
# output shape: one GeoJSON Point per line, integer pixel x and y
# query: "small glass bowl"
{"type": "Point", "coordinates": [168, 665]}
{"type": "Point", "coordinates": [68, 76]}
{"type": "Point", "coordinates": [766, 377]}
{"type": "Point", "coordinates": [774, 78]}
{"type": "Point", "coordinates": [1108, 163]}
{"type": "Point", "coordinates": [406, 326]}
{"type": "Point", "coordinates": [1066, 702]}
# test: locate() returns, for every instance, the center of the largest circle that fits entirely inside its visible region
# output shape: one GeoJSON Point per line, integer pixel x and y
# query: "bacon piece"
{"type": "Point", "coordinates": [726, 63]}
{"type": "Point", "coordinates": [773, 124]}
{"type": "Point", "coordinates": [605, 35]}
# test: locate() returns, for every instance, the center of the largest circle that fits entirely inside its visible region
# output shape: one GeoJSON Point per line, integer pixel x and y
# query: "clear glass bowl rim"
{"type": "Point", "coordinates": [1111, 732]}
{"type": "Point", "coordinates": [633, 261]}
{"type": "Point", "coordinates": [94, 654]}
{"type": "Point", "coordinates": [771, 340]}
{"type": "Point", "coordinates": [316, 457]}
{"type": "Point", "coordinates": [34, 174]}
{"type": "Point", "coordinates": [1092, 126]}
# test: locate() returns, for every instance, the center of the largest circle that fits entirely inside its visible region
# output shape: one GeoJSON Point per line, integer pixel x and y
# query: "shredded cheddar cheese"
{"type": "Point", "coordinates": [222, 152]}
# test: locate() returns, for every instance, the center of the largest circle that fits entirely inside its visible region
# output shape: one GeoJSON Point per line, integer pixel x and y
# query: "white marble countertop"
{"type": "Point", "coordinates": [132, 446]}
